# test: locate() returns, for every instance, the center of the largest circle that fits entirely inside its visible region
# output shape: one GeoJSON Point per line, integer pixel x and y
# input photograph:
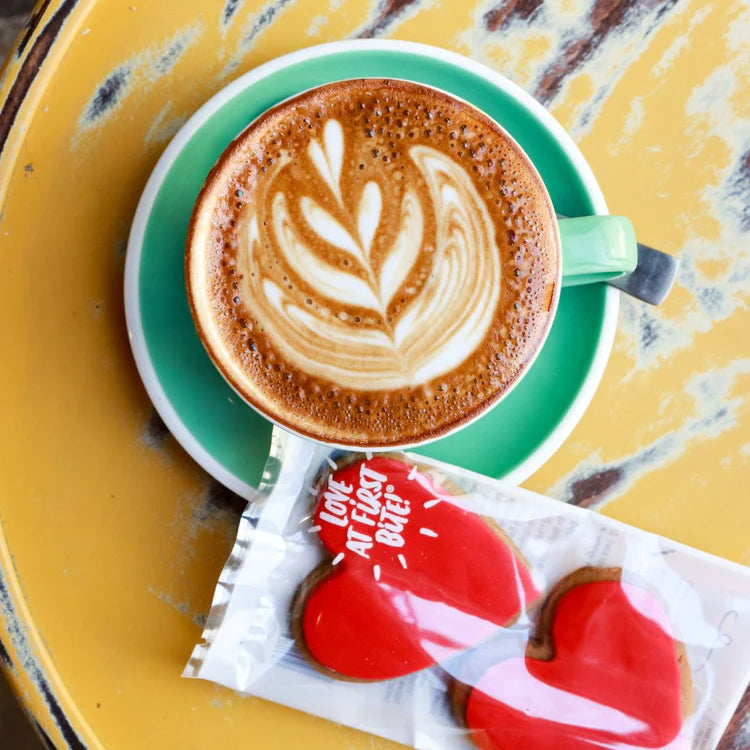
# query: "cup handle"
{"type": "Point", "coordinates": [597, 248]}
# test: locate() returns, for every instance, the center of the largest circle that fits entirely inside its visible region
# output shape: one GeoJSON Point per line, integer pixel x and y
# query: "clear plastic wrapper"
{"type": "Point", "coordinates": [435, 607]}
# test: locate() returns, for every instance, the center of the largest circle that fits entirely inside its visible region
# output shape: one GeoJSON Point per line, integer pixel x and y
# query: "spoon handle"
{"type": "Point", "coordinates": [652, 278]}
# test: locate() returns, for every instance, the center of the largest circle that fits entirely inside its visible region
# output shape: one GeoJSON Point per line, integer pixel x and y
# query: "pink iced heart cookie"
{"type": "Point", "coordinates": [413, 578]}
{"type": "Point", "coordinates": [604, 672]}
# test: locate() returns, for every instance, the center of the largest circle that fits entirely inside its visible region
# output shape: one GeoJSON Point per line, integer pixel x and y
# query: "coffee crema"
{"type": "Point", "coordinates": [372, 263]}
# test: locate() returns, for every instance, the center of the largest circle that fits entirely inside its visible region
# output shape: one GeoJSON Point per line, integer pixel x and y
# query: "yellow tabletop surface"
{"type": "Point", "coordinates": [112, 537]}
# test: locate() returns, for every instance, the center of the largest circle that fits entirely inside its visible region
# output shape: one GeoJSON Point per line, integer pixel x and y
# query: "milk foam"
{"type": "Point", "coordinates": [372, 263]}
{"type": "Point", "coordinates": [439, 328]}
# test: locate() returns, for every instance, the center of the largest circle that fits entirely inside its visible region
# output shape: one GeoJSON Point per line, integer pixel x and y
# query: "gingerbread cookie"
{"type": "Point", "coordinates": [602, 671]}
{"type": "Point", "coordinates": [413, 579]}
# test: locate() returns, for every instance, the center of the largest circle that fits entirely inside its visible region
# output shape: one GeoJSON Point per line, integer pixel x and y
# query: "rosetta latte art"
{"type": "Point", "coordinates": [372, 263]}
{"type": "Point", "coordinates": [441, 325]}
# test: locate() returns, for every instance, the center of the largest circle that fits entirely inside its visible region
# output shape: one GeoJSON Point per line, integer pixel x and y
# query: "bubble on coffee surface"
{"type": "Point", "coordinates": [386, 245]}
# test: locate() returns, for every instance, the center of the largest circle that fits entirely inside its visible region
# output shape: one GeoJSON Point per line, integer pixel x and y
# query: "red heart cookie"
{"type": "Point", "coordinates": [413, 578]}
{"type": "Point", "coordinates": [604, 672]}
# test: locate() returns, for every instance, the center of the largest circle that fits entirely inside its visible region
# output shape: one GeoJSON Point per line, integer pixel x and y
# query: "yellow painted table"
{"type": "Point", "coordinates": [112, 538]}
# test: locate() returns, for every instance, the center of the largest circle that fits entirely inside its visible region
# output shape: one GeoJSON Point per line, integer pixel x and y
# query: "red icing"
{"type": "Point", "coordinates": [616, 671]}
{"type": "Point", "coordinates": [416, 584]}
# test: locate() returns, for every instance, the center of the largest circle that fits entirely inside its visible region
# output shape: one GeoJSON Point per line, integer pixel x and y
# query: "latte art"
{"type": "Point", "coordinates": [372, 263]}
{"type": "Point", "coordinates": [442, 324]}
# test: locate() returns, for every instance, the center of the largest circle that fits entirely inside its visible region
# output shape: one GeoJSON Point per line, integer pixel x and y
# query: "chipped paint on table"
{"type": "Point", "coordinates": [112, 538]}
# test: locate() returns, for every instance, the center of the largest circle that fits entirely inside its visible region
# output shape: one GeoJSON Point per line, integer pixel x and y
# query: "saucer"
{"type": "Point", "coordinates": [222, 433]}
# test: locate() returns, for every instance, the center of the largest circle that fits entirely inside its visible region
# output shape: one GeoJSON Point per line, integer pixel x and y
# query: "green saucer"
{"type": "Point", "coordinates": [216, 427]}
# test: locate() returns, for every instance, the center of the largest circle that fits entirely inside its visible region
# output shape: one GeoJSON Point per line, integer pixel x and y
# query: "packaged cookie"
{"type": "Point", "coordinates": [410, 578]}
{"type": "Point", "coordinates": [601, 668]}
{"type": "Point", "coordinates": [442, 609]}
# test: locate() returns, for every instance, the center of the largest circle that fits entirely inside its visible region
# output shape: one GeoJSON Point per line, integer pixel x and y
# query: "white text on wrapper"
{"type": "Point", "coordinates": [372, 514]}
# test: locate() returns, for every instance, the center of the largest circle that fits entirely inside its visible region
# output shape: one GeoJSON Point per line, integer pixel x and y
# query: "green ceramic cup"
{"type": "Point", "coordinates": [590, 249]}
{"type": "Point", "coordinates": [596, 248]}
{"type": "Point", "coordinates": [230, 440]}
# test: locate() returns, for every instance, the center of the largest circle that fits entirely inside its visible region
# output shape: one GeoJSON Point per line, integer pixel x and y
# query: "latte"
{"type": "Point", "coordinates": [372, 263]}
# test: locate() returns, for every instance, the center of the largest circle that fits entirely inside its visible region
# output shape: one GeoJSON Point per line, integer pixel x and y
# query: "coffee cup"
{"type": "Point", "coordinates": [375, 264]}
